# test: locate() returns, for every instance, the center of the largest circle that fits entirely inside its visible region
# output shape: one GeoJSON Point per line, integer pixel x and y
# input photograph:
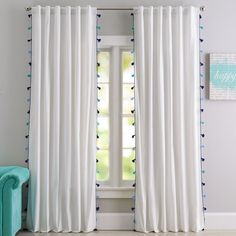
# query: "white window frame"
{"type": "Point", "coordinates": [111, 188]}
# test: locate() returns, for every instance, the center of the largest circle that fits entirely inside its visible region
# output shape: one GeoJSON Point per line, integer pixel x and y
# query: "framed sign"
{"type": "Point", "coordinates": [222, 76]}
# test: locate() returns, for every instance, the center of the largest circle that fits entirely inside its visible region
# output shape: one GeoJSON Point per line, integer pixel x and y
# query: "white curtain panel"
{"type": "Point", "coordinates": [62, 146]}
{"type": "Point", "coordinates": [168, 177]}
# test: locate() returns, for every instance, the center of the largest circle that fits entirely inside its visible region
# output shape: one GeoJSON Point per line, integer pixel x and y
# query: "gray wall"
{"type": "Point", "coordinates": [219, 21]}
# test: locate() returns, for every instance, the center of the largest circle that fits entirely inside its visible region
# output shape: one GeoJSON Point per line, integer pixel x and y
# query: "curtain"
{"type": "Point", "coordinates": [168, 167]}
{"type": "Point", "coordinates": [62, 144]}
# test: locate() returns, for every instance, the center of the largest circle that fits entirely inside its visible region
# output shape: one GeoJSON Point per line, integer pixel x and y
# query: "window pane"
{"type": "Point", "coordinates": [103, 97]}
{"type": "Point", "coordinates": [128, 101]}
{"type": "Point", "coordinates": [128, 165]}
{"type": "Point", "coordinates": [128, 139]}
{"type": "Point", "coordinates": [103, 70]}
{"type": "Point", "coordinates": [102, 165]}
{"type": "Point", "coordinates": [127, 68]}
{"type": "Point", "coordinates": [103, 132]}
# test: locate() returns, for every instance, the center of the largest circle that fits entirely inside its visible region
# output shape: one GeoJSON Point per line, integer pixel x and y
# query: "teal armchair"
{"type": "Point", "coordinates": [11, 180]}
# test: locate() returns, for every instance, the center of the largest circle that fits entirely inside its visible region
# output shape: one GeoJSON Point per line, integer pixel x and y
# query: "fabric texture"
{"type": "Point", "coordinates": [168, 167]}
{"type": "Point", "coordinates": [11, 180]}
{"type": "Point", "coordinates": [62, 138]}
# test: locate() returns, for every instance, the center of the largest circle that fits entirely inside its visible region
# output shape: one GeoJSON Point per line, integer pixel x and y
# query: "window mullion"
{"type": "Point", "coordinates": [115, 118]}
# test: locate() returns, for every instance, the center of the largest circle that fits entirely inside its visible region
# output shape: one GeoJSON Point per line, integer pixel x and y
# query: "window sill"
{"type": "Point", "coordinates": [115, 192]}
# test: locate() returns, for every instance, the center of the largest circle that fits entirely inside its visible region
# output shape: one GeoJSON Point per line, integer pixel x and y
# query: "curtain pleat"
{"type": "Point", "coordinates": [168, 172]}
{"type": "Point", "coordinates": [62, 149]}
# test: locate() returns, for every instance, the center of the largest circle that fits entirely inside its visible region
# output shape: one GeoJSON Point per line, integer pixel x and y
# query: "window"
{"type": "Point", "coordinates": [103, 116]}
{"type": "Point", "coordinates": [115, 127]}
{"type": "Point", "coordinates": [128, 131]}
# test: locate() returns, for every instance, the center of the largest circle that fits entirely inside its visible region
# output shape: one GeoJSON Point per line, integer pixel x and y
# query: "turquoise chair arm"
{"type": "Point", "coordinates": [11, 180]}
{"type": "Point", "coordinates": [18, 174]}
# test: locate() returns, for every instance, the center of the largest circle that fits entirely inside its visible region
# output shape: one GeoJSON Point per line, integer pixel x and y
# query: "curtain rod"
{"type": "Point", "coordinates": [202, 8]}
